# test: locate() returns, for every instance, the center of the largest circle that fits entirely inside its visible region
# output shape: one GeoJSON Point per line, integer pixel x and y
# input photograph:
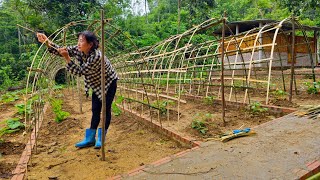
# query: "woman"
{"type": "Point", "coordinates": [88, 55]}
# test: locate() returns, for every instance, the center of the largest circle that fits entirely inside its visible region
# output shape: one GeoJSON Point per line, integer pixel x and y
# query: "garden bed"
{"type": "Point", "coordinates": [12, 143]}
{"type": "Point", "coordinates": [129, 144]}
{"type": "Point", "coordinates": [201, 119]}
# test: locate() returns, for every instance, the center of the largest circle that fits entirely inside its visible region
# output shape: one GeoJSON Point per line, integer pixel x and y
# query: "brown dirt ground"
{"type": "Point", "coordinates": [13, 144]}
{"type": "Point", "coordinates": [196, 109]}
{"type": "Point", "coordinates": [128, 146]}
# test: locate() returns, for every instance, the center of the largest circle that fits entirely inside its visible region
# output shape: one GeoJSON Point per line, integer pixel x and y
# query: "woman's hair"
{"type": "Point", "coordinates": [90, 38]}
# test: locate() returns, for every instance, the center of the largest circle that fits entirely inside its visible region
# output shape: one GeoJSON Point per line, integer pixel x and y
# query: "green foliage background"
{"type": "Point", "coordinates": [161, 22]}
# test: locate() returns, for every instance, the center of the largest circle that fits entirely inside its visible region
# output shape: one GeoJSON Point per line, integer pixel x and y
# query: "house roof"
{"type": "Point", "coordinates": [251, 24]}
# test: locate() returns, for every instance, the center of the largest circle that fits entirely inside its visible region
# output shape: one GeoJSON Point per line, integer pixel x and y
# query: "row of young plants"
{"type": "Point", "coordinates": [201, 121]}
{"type": "Point", "coordinates": [23, 110]}
{"type": "Point", "coordinates": [13, 124]}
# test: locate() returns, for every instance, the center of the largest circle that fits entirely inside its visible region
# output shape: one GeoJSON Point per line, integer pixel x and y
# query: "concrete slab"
{"type": "Point", "coordinates": [282, 149]}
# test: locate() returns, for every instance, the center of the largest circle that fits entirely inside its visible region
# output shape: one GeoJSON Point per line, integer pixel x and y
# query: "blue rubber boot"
{"type": "Point", "coordinates": [89, 139]}
{"type": "Point", "coordinates": [98, 142]}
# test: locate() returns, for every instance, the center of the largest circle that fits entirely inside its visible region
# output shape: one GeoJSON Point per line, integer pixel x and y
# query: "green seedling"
{"type": "Point", "coordinates": [209, 100]}
{"type": "Point", "coordinates": [9, 97]}
{"type": "Point", "coordinates": [115, 109]}
{"type": "Point", "coordinates": [162, 105]}
{"type": "Point", "coordinates": [200, 122]}
{"type": "Point", "coordinates": [12, 125]}
{"type": "Point", "coordinates": [256, 108]}
{"type": "Point", "coordinates": [313, 88]}
{"type": "Point", "coordinates": [22, 108]}
{"type": "Point", "coordinates": [60, 115]}
{"type": "Point", "coordinates": [280, 94]}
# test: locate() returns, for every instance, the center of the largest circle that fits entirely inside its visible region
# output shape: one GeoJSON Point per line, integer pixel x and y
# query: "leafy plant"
{"type": "Point", "coordinates": [199, 122]}
{"type": "Point", "coordinates": [22, 108]}
{"type": "Point", "coordinates": [162, 105]}
{"type": "Point", "coordinates": [9, 97]}
{"type": "Point", "coordinates": [280, 94]}
{"type": "Point", "coordinates": [313, 88]}
{"type": "Point", "coordinates": [56, 105]}
{"type": "Point", "coordinates": [256, 108]}
{"type": "Point", "coordinates": [12, 125]}
{"type": "Point", "coordinates": [115, 109]}
{"type": "Point", "coordinates": [209, 100]}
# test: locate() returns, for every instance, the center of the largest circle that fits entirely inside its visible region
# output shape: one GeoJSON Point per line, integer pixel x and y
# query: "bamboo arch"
{"type": "Point", "coordinates": [155, 80]}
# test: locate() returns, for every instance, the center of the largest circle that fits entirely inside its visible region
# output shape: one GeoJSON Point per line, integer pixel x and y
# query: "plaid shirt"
{"type": "Point", "coordinates": [90, 67]}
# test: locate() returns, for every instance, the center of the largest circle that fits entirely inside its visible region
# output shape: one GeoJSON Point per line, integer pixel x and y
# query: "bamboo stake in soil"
{"type": "Point", "coordinates": [79, 94]}
{"type": "Point", "coordinates": [292, 57]}
{"type": "Point", "coordinates": [103, 70]}
{"type": "Point", "coordinates": [222, 70]}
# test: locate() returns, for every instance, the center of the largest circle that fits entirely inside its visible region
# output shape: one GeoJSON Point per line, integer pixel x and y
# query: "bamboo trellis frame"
{"type": "Point", "coordinates": [163, 75]}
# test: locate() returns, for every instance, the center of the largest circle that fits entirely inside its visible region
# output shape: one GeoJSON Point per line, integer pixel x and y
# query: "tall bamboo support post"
{"type": "Point", "coordinates": [222, 69]}
{"type": "Point", "coordinates": [292, 56]}
{"type": "Point", "coordinates": [79, 94]}
{"type": "Point", "coordinates": [179, 4]}
{"type": "Point", "coordinates": [315, 53]}
{"type": "Point", "coordinates": [103, 90]}
{"type": "Point", "coordinates": [316, 43]}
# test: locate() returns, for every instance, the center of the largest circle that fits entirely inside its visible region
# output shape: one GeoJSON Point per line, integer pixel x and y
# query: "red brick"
{"type": "Point", "coordinates": [303, 174]}
{"type": "Point", "coordinates": [314, 166]}
{"type": "Point", "coordinates": [161, 161]}
{"type": "Point", "coordinates": [136, 171]}
{"type": "Point", "coordinates": [115, 178]}
{"type": "Point", "coordinates": [195, 148]}
{"type": "Point", "coordinates": [180, 154]}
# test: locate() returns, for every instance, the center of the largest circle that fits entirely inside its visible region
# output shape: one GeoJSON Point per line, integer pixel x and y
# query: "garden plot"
{"type": "Point", "coordinates": [12, 140]}
{"type": "Point", "coordinates": [200, 118]}
{"type": "Point", "coordinates": [128, 146]}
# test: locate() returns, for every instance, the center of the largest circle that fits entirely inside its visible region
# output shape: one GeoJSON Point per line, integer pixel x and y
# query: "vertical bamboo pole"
{"type": "Point", "coordinates": [103, 87]}
{"type": "Point", "coordinates": [315, 53]}
{"type": "Point", "coordinates": [292, 56]}
{"type": "Point", "coordinates": [316, 43]}
{"type": "Point", "coordinates": [222, 69]}
{"type": "Point", "coordinates": [145, 9]}
{"type": "Point", "coordinates": [19, 37]}
{"type": "Point", "coordinates": [179, 4]}
{"type": "Point", "coordinates": [79, 94]}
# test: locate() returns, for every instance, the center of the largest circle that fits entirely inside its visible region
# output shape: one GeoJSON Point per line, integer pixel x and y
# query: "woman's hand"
{"type": "Point", "coordinates": [64, 53]}
{"type": "Point", "coordinates": [43, 38]}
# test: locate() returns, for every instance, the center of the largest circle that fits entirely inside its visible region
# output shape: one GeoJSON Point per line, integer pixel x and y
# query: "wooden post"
{"type": "Point", "coordinates": [145, 9]}
{"type": "Point", "coordinates": [292, 56]}
{"type": "Point", "coordinates": [103, 87]}
{"type": "Point", "coordinates": [79, 94]}
{"type": "Point", "coordinates": [222, 69]}
{"type": "Point", "coordinates": [179, 4]}
{"type": "Point", "coordinates": [316, 34]}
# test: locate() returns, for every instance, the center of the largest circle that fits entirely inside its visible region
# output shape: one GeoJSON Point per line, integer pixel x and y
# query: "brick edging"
{"type": "Point", "coordinates": [195, 145]}
{"type": "Point", "coordinates": [154, 164]}
{"type": "Point", "coordinates": [312, 168]}
{"type": "Point", "coordinates": [162, 130]}
{"type": "Point", "coordinates": [21, 168]}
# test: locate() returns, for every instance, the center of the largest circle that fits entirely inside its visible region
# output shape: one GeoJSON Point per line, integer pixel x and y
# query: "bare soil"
{"type": "Point", "coordinates": [236, 117]}
{"type": "Point", "coordinates": [128, 146]}
{"type": "Point", "coordinates": [12, 145]}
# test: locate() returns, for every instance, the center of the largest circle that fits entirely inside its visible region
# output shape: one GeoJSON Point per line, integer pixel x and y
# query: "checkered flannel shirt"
{"type": "Point", "coordinates": [90, 67]}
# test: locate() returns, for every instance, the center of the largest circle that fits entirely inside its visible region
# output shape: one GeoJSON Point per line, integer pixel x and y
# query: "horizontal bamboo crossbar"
{"type": "Point", "coordinates": [242, 79]}
{"type": "Point", "coordinates": [180, 70]}
{"type": "Point", "coordinates": [155, 95]}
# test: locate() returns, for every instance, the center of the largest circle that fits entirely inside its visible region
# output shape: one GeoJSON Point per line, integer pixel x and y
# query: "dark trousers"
{"type": "Point", "coordinates": [97, 106]}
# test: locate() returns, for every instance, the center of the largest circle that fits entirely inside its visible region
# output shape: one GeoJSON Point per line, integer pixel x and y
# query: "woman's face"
{"type": "Point", "coordinates": [83, 45]}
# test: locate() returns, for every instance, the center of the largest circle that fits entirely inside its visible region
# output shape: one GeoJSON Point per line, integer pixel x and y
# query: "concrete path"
{"type": "Point", "coordinates": [282, 149]}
